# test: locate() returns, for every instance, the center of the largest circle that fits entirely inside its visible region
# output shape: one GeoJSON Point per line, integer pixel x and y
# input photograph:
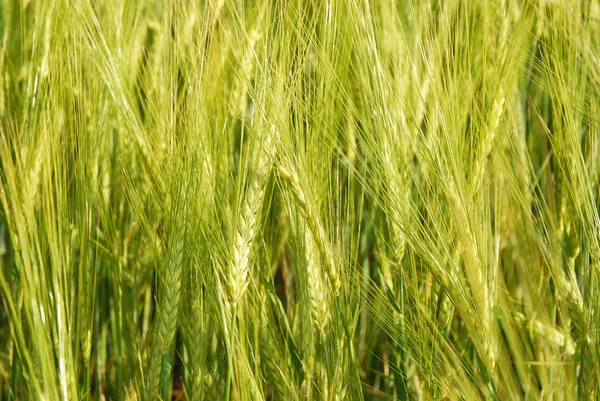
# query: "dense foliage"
{"type": "Point", "coordinates": [299, 200]}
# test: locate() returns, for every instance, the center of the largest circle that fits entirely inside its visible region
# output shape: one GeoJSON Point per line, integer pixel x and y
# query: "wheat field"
{"type": "Point", "coordinates": [299, 200]}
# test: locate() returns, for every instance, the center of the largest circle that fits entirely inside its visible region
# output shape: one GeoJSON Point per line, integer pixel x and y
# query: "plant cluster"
{"type": "Point", "coordinates": [299, 200]}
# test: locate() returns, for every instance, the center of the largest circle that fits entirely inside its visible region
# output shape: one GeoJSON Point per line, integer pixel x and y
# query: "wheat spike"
{"type": "Point", "coordinates": [246, 227]}
{"type": "Point", "coordinates": [319, 308]}
{"type": "Point", "coordinates": [289, 176]}
{"type": "Point", "coordinates": [169, 295]}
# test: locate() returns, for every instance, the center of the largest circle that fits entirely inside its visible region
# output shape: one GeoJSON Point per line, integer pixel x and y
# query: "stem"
{"type": "Point", "coordinates": [230, 356]}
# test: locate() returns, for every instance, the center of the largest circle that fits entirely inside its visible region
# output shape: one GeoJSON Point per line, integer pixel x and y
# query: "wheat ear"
{"type": "Point", "coordinates": [290, 177]}
{"type": "Point", "coordinates": [245, 229]}
{"type": "Point", "coordinates": [194, 333]}
{"type": "Point", "coordinates": [169, 294]}
{"type": "Point", "coordinates": [319, 309]}
{"type": "Point", "coordinates": [273, 362]}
